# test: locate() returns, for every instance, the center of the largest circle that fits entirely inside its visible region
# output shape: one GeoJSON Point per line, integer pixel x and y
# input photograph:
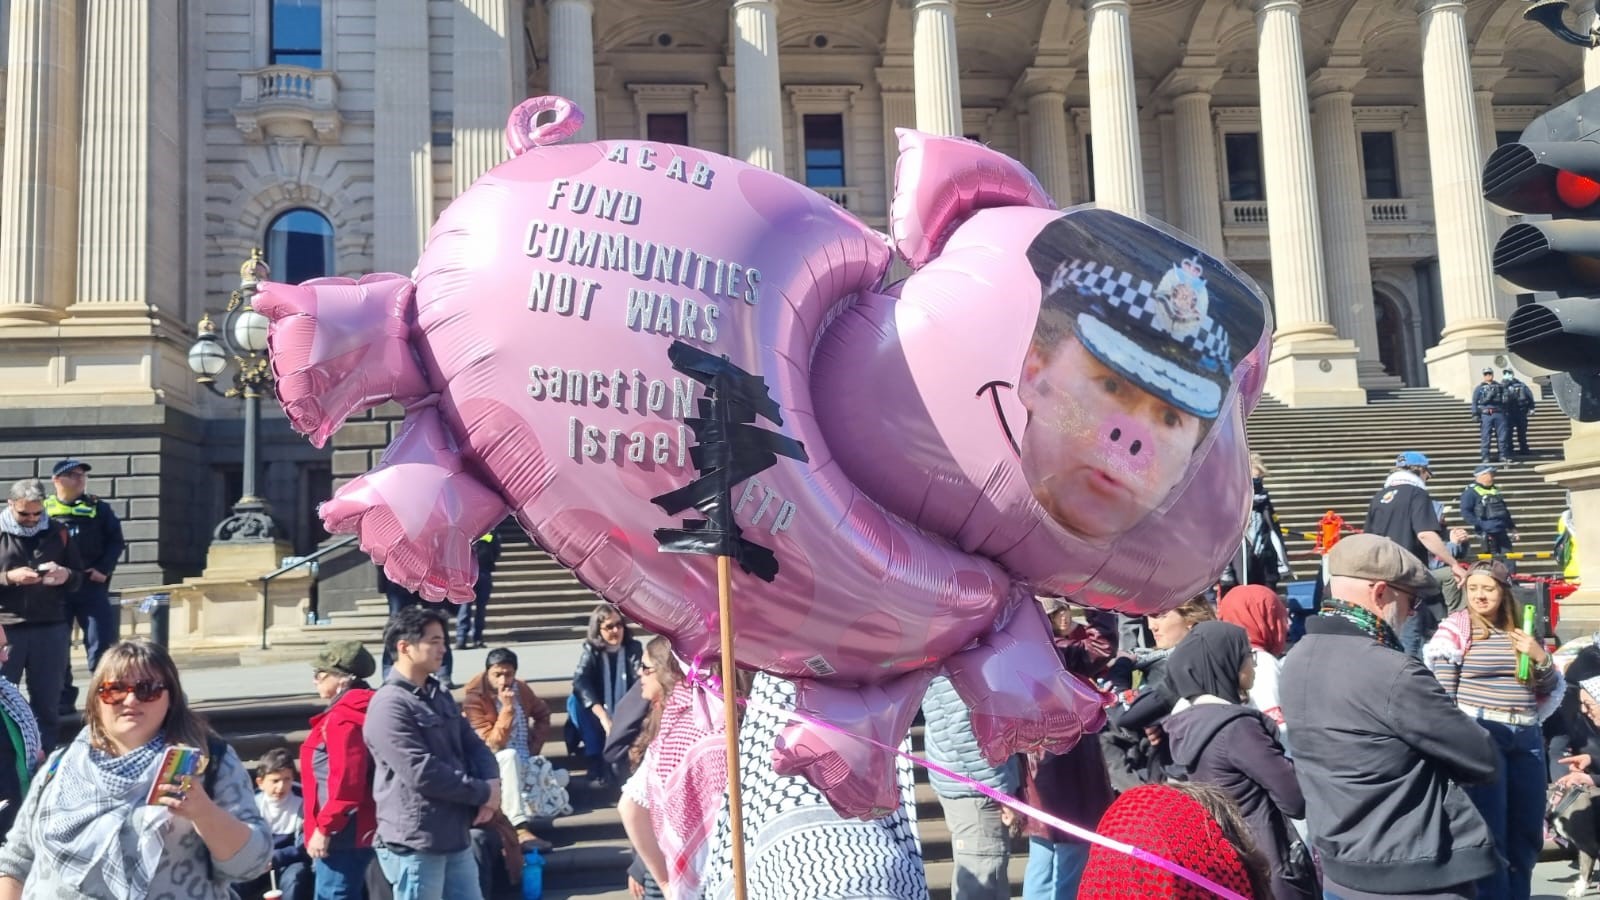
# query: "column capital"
{"type": "Point", "coordinates": [1335, 80]}
{"type": "Point", "coordinates": [1265, 6]}
{"type": "Point", "coordinates": [928, 4]}
{"type": "Point", "coordinates": [1484, 78]}
{"type": "Point", "coordinates": [1189, 80]}
{"type": "Point", "coordinates": [1044, 80]}
{"type": "Point", "coordinates": [1092, 5]}
{"type": "Point", "coordinates": [736, 3]}
{"type": "Point", "coordinates": [1428, 7]}
{"type": "Point", "coordinates": [895, 79]}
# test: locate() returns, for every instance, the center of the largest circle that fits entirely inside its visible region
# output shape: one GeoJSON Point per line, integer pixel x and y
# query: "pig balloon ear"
{"type": "Point", "coordinates": [940, 181]}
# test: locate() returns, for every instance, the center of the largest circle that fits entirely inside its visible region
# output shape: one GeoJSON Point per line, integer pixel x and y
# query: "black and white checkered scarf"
{"type": "Point", "coordinates": [93, 830]}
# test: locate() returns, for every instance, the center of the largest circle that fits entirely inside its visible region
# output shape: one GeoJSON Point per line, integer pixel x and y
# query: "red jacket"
{"type": "Point", "coordinates": [336, 773]}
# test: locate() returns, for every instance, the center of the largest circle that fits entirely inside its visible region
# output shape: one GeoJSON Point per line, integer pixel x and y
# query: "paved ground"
{"type": "Point", "coordinates": [204, 680]}
{"type": "Point", "coordinates": [1551, 880]}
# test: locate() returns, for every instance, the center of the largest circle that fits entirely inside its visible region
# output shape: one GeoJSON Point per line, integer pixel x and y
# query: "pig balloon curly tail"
{"type": "Point", "coordinates": [524, 131]}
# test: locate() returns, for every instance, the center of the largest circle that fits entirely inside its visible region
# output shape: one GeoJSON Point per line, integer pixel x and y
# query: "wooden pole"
{"type": "Point", "coordinates": [730, 706]}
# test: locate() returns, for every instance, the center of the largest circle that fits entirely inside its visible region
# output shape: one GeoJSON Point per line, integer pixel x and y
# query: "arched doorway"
{"type": "Point", "coordinates": [1392, 349]}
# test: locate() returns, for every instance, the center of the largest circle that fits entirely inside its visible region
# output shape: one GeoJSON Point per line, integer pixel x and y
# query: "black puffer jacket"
{"type": "Point", "coordinates": [589, 678]}
{"type": "Point", "coordinates": [38, 604]}
{"type": "Point", "coordinates": [1235, 748]}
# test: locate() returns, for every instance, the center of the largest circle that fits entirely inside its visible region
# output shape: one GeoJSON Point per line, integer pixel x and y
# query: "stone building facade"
{"type": "Point", "coordinates": [1330, 147]}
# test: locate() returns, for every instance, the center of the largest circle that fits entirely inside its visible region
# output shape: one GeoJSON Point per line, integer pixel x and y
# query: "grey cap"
{"type": "Point", "coordinates": [1373, 557]}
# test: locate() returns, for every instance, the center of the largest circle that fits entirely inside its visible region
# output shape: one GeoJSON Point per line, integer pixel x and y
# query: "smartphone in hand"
{"type": "Point", "coordinates": [178, 763]}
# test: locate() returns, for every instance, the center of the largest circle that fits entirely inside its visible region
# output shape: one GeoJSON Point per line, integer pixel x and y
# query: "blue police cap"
{"type": "Point", "coordinates": [67, 465]}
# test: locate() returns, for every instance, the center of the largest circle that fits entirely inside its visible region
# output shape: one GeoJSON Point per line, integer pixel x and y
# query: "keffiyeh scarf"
{"type": "Point", "coordinates": [93, 828]}
{"type": "Point", "coordinates": [1364, 619]}
{"type": "Point", "coordinates": [519, 727]}
{"type": "Point", "coordinates": [16, 709]}
{"type": "Point", "coordinates": [686, 774]}
{"type": "Point", "coordinates": [10, 525]}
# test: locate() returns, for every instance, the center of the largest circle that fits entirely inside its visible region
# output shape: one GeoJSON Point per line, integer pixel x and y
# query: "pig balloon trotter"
{"type": "Point", "coordinates": [1052, 403]}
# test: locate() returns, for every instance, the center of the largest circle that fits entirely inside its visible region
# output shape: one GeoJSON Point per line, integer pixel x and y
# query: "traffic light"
{"type": "Point", "coordinates": [1553, 171]}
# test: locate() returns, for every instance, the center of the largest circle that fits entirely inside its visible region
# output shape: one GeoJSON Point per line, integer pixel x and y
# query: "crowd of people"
{"type": "Point", "coordinates": [1408, 739]}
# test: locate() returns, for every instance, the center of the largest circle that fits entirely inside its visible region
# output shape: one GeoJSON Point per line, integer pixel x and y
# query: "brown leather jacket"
{"type": "Point", "coordinates": [494, 726]}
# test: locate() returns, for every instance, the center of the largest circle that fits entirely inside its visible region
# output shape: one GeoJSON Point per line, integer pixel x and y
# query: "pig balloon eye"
{"type": "Point", "coordinates": [1135, 447]}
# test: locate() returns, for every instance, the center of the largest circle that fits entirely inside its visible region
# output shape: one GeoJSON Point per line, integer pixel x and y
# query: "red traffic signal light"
{"type": "Point", "coordinates": [1576, 191]}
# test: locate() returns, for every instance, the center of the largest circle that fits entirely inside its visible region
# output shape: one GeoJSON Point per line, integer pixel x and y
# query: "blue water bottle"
{"type": "Point", "coordinates": [532, 875]}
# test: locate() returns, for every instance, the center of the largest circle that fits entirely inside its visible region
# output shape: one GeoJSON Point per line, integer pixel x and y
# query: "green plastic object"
{"type": "Point", "coordinates": [1523, 660]}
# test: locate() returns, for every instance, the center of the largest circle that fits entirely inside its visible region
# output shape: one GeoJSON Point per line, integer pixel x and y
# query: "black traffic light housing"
{"type": "Point", "coordinates": [1553, 171]}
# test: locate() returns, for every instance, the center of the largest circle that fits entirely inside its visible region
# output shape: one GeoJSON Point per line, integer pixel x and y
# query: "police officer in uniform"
{"type": "Point", "coordinates": [1519, 405]}
{"type": "Point", "coordinates": [1484, 508]}
{"type": "Point", "coordinates": [1489, 408]}
{"type": "Point", "coordinates": [98, 534]}
{"type": "Point", "coordinates": [470, 617]}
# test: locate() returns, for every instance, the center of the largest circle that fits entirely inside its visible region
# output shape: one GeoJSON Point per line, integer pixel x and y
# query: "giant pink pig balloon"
{"type": "Point", "coordinates": [1051, 403]}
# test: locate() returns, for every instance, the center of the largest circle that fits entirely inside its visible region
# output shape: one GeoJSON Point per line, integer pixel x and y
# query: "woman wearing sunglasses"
{"type": "Point", "coordinates": [85, 829]}
{"type": "Point", "coordinates": [1475, 655]}
{"type": "Point", "coordinates": [608, 665]}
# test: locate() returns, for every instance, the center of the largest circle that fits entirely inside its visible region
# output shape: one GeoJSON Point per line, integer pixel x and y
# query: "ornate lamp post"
{"type": "Point", "coordinates": [243, 338]}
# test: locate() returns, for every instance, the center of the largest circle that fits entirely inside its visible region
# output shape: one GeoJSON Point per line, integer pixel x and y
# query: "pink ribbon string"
{"type": "Point", "coordinates": [696, 676]}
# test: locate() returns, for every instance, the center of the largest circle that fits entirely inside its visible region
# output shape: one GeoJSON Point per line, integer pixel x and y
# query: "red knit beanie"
{"type": "Point", "coordinates": [1169, 824]}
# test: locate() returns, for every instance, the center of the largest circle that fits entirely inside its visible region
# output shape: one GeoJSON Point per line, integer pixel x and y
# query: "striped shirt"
{"type": "Point", "coordinates": [1487, 677]}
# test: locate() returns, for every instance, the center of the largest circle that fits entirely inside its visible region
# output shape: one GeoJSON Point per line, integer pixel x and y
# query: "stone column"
{"type": "Point", "coordinates": [1473, 334]}
{"type": "Point", "coordinates": [402, 175]}
{"type": "Point", "coordinates": [758, 102]}
{"type": "Point", "coordinates": [130, 211]}
{"type": "Point", "coordinates": [1199, 199]}
{"type": "Point", "coordinates": [39, 178]}
{"type": "Point", "coordinates": [1587, 20]}
{"type": "Point", "coordinates": [1344, 219]}
{"type": "Point", "coordinates": [933, 59]}
{"type": "Point", "coordinates": [895, 84]}
{"type": "Point", "coordinates": [1310, 365]}
{"type": "Point", "coordinates": [899, 111]}
{"type": "Point", "coordinates": [484, 85]}
{"type": "Point", "coordinates": [1049, 147]}
{"type": "Point", "coordinates": [1483, 81]}
{"type": "Point", "coordinates": [572, 60]}
{"type": "Point", "coordinates": [1113, 110]}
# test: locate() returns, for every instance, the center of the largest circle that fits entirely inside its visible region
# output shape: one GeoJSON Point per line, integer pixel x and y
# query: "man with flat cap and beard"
{"type": "Point", "coordinates": [1380, 744]}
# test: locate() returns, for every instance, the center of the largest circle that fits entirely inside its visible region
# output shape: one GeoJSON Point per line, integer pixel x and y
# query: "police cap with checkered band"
{"type": "Point", "coordinates": [1148, 304]}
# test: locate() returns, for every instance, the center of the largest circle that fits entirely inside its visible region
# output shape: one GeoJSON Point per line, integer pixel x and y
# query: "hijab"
{"type": "Point", "coordinates": [1208, 661]}
{"type": "Point", "coordinates": [1261, 613]}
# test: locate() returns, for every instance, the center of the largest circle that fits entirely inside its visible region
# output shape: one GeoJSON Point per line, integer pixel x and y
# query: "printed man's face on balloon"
{"type": "Point", "coordinates": [1099, 451]}
{"type": "Point", "coordinates": [1128, 369]}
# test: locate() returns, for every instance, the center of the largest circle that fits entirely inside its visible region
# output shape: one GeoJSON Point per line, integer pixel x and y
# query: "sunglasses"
{"type": "Point", "coordinates": [114, 692]}
{"type": "Point", "coordinates": [611, 626]}
{"type": "Point", "coordinates": [646, 669]}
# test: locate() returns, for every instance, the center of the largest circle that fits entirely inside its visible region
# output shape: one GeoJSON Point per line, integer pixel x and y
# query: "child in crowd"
{"type": "Point", "coordinates": [280, 804]}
